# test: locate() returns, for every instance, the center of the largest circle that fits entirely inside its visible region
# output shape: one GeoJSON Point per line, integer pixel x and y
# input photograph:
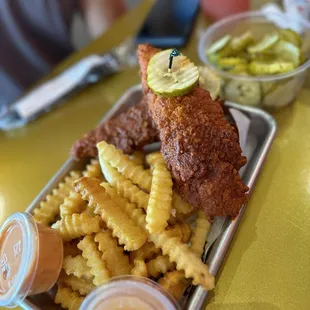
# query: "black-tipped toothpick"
{"type": "Point", "coordinates": [174, 53]}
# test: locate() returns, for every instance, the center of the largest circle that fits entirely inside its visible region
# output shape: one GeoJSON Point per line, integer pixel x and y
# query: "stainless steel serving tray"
{"type": "Point", "coordinates": [260, 136]}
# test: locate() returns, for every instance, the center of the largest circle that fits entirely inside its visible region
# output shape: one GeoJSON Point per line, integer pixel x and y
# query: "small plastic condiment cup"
{"type": "Point", "coordinates": [130, 293]}
{"type": "Point", "coordinates": [31, 258]}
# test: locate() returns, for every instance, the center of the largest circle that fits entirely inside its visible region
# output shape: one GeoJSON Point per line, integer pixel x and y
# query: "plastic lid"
{"type": "Point", "coordinates": [18, 258]}
{"type": "Point", "coordinates": [130, 292]}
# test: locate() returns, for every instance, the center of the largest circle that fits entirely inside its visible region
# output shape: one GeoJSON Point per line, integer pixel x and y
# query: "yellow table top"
{"type": "Point", "coordinates": [268, 265]}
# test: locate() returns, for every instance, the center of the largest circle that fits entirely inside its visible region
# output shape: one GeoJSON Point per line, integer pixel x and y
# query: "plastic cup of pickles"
{"type": "Point", "coordinates": [258, 63]}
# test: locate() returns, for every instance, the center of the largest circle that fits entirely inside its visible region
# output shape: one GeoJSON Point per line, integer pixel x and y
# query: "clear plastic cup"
{"type": "Point", "coordinates": [130, 292]}
{"type": "Point", "coordinates": [271, 91]}
{"type": "Point", "coordinates": [31, 258]}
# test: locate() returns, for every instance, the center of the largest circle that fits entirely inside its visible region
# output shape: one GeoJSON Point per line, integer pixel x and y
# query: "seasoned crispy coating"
{"type": "Point", "coordinates": [67, 298]}
{"type": "Point", "coordinates": [93, 256]}
{"type": "Point", "coordinates": [122, 226]}
{"type": "Point", "coordinates": [129, 131]}
{"type": "Point", "coordinates": [117, 262]}
{"type": "Point", "coordinates": [200, 146]}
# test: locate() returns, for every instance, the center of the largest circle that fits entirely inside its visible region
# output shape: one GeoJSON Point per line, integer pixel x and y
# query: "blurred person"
{"type": "Point", "coordinates": [35, 35]}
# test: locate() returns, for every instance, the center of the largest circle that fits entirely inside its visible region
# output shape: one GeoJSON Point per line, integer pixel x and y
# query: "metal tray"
{"type": "Point", "coordinates": [261, 133]}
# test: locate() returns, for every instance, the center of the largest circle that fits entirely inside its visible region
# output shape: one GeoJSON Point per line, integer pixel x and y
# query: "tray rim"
{"type": "Point", "coordinates": [198, 295]}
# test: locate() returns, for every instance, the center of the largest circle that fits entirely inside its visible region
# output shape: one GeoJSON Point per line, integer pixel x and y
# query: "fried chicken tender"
{"type": "Point", "coordinates": [129, 131]}
{"type": "Point", "coordinates": [200, 146]}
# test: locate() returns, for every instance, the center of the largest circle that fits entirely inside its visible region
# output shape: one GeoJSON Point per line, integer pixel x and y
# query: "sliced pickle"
{"type": "Point", "coordinates": [244, 92]}
{"type": "Point", "coordinates": [240, 43]}
{"type": "Point", "coordinates": [290, 36]}
{"type": "Point", "coordinates": [230, 62]}
{"type": "Point", "coordinates": [180, 80]}
{"type": "Point", "coordinates": [287, 51]}
{"type": "Point", "coordinates": [219, 45]}
{"type": "Point", "coordinates": [265, 44]}
{"type": "Point", "coordinates": [268, 68]}
{"type": "Point", "coordinates": [209, 80]}
{"type": "Point", "coordinates": [239, 69]}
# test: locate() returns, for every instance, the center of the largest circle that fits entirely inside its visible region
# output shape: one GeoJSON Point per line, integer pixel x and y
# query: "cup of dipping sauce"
{"type": "Point", "coordinates": [130, 293]}
{"type": "Point", "coordinates": [31, 256]}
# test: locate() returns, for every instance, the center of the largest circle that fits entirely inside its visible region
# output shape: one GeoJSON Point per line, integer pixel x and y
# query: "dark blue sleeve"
{"type": "Point", "coordinates": [34, 38]}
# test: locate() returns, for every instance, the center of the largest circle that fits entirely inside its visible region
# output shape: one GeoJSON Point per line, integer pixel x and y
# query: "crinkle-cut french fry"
{"type": "Point", "coordinates": [154, 157]}
{"type": "Point", "coordinates": [159, 265]}
{"type": "Point", "coordinates": [70, 248]}
{"type": "Point", "coordinates": [80, 285]}
{"type": "Point", "coordinates": [67, 298]}
{"type": "Point", "coordinates": [129, 208]}
{"type": "Point", "coordinates": [139, 268]}
{"type": "Point", "coordinates": [76, 266]}
{"type": "Point", "coordinates": [122, 226]}
{"type": "Point", "coordinates": [182, 231]}
{"type": "Point", "coordinates": [72, 204]}
{"type": "Point", "coordinates": [180, 205]}
{"type": "Point", "coordinates": [130, 170]}
{"type": "Point", "coordinates": [158, 209]}
{"type": "Point", "coordinates": [117, 262]}
{"type": "Point", "coordinates": [175, 283]}
{"type": "Point", "coordinates": [77, 225]}
{"type": "Point", "coordinates": [200, 233]}
{"type": "Point", "coordinates": [93, 256]}
{"type": "Point", "coordinates": [186, 260]}
{"type": "Point", "coordinates": [124, 186]}
{"type": "Point", "coordinates": [138, 157]}
{"type": "Point", "coordinates": [147, 252]}
{"type": "Point", "coordinates": [49, 208]}
{"type": "Point", "coordinates": [177, 251]}
{"type": "Point", "coordinates": [93, 170]}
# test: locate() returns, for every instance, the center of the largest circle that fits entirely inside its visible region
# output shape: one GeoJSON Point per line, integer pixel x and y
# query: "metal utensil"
{"type": "Point", "coordinates": [88, 70]}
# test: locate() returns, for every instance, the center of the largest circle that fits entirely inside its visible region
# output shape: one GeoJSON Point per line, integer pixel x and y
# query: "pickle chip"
{"type": "Point", "coordinates": [240, 43]}
{"type": "Point", "coordinates": [265, 44]}
{"type": "Point", "coordinates": [210, 81]}
{"type": "Point", "coordinates": [244, 92]}
{"type": "Point", "coordinates": [269, 68]}
{"type": "Point", "coordinates": [182, 77]}
{"type": "Point", "coordinates": [290, 36]}
{"type": "Point", "coordinates": [219, 44]}
{"type": "Point", "coordinates": [239, 69]}
{"type": "Point", "coordinates": [287, 51]}
{"type": "Point", "coordinates": [230, 62]}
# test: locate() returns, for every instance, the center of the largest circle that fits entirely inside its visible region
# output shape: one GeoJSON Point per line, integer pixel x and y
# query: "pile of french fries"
{"type": "Point", "coordinates": [121, 216]}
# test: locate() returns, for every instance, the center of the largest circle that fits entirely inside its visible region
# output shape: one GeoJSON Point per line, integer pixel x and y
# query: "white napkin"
{"type": "Point", "coordinates": [295, 14]}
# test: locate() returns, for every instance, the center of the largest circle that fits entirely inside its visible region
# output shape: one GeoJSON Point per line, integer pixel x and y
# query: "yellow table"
{"type": "Point", "coordinates": [268, 264]}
